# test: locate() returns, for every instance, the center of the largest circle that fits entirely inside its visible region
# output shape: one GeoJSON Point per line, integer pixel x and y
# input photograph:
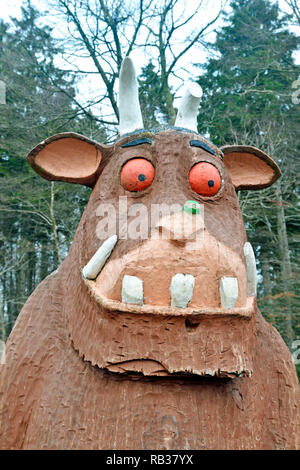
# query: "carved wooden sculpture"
{"type": "Point", "coordinates": [153, 343]}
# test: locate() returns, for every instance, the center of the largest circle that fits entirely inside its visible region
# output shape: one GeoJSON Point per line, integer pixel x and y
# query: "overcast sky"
{"type": "Point", "coordinates": [87, 89]}
{"type": "Point", "coordinates": [13, 8]}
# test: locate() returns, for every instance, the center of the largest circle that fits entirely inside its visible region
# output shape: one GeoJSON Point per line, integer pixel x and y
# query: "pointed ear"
{"type": "Point", "coordinates": [249, 167]}
{"type": "Point", "coordinates": [67, 157]}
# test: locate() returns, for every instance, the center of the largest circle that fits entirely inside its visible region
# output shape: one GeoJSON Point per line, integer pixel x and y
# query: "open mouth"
{"type": "Point", "coordinates": [124, 307]}
{"type": "Point", "coordinates": [165, 310]}
{"type": "Point", "coordinates": [169, 280]}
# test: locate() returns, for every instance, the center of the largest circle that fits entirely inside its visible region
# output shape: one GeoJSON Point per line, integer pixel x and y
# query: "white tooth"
{"type": "Point", "coordinates": [229, 291]}
{"type": "Point", "coordinates": [182, 288]}
{"type": "Point", "coordinates": [132, 290]}
{"type": "Point", "coordinates": [251, 269]}
{"type": "Point", "coordinates": [96, 263]}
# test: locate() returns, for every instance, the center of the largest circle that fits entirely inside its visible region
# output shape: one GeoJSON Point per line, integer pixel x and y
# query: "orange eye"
{"type": "Point", "coordinates": [137, 174]}
{"type": "Point", "coordinates": [205, 179]}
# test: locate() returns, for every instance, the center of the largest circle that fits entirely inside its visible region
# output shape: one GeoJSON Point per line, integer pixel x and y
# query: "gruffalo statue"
{"type": "Point", "coordinates": [154, 340]}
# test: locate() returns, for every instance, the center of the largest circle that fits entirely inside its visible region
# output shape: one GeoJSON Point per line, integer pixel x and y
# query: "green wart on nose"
{"type": "Point", "coordinates": [192, 207]}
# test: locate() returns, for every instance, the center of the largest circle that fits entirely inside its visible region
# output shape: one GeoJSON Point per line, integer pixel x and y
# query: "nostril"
{"type": "Point", "coordinates": [170, 230]}
{"type": "Point", "coordinates": [191, 325]}
{"type": "Point", "coordinates": [182, 226]}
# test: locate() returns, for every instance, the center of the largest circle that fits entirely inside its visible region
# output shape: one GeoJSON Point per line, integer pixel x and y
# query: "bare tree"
{"type": "Point", "coordinates": [102, 33]}
{"type": "Point", "coordinates": [294, 6]}
{"type": "Point", "coordinates": [164, 34]}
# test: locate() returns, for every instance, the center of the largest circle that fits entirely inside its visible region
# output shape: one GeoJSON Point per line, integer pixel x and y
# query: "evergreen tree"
{"type": "Point", "coordinates": [36, 223]}
{"type": "Point", "coordinates": [251, 78]}
{"type": "Point", "coordinates": [153, 99]}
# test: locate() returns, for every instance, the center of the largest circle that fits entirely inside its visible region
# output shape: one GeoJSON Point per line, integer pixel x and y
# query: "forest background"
{"type": "Point", "coordinates": [59, 66]}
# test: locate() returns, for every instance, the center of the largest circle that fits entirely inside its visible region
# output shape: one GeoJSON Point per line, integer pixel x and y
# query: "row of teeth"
{"type": "Point", "coordinates": [182, 285]}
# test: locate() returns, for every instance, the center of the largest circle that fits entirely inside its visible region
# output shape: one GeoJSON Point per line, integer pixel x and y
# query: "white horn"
{"type": "Point", "coordinates": [188, 110]}
{"type": "Point", "coordinates": [129, 106]}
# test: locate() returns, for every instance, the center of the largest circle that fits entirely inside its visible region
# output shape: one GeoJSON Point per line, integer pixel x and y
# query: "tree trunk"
{"type": "Point", "coordinates": [54, 226]}
{"type": "Point", "coordinates": [2, 321]}
{"type": "Point", "coordinates": [285, 268]}
{"type": "Point", "coordinates": [265, 268]}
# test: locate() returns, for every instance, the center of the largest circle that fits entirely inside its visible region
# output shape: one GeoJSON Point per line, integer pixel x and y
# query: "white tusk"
{"type": "Point", "coordinates": [96, 263]}
{"type": "Point", "coordinates": [132, 290]}
{"type": "Point", "coordinates": [129, 106]}
{"type": "Point", "coordinates": [188, 110]}
{"type": "Point", "coordinates": [229, 291]}
{"type": "Point", "coordinates": [182, 288]}
{"type": "Point", "coordinates": [251, 269]}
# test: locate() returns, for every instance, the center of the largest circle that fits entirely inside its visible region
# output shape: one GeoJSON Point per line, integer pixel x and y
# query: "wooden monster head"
{"type": "Point", "coordinates": [160, 278]}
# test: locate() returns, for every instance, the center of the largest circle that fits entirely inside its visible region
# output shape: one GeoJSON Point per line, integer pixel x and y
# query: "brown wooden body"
{"type": "Point", "coordinates": [89, 368]}
{"type": "Point", "coordinates": [53, 399]}
{"type": "Point", "coordinates": [80, 375]}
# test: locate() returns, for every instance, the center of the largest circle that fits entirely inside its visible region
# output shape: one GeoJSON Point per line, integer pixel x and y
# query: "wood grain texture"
{"type": "Point", "coordinates": [81, 375]}
{"type": "Point", "coordinates": [53, 399]}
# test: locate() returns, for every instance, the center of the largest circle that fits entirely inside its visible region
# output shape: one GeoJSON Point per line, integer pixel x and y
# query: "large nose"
{"type": "Point", "coordinates": [184, 225]}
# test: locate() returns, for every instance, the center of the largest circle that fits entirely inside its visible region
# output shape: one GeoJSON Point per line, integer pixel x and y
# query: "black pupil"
{"type": "Point", "coordinates": [211, 183]}
{"type": "Point", "coordinates": [141, 177]}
